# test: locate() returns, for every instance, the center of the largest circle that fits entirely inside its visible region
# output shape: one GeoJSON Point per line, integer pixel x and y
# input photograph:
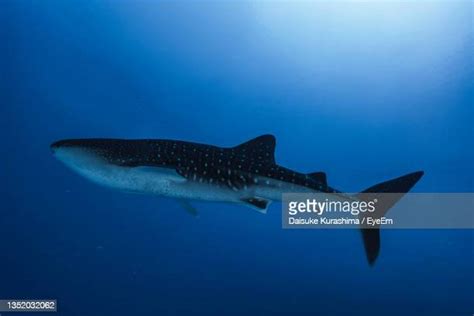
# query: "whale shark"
{"type": "Point", "coordinates": [246, 174]}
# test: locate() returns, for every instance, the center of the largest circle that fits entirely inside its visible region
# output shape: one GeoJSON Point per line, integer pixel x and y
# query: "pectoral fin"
{"type": "Point", "coordinates": [257, 204]}
{"type": "Point", "coordinates": [188, 207]}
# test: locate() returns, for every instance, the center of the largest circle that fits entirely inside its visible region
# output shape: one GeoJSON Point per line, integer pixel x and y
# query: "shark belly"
{"type": "Point", "coordinates": [272, 189]}
{"type": "Point", "coordinates": [167, 182]}
{"type": "Point", "coordinates": [157, 181]}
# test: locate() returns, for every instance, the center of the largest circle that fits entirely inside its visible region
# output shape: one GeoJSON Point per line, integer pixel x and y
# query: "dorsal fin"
{"type": "Point", "coordinates": [319, 177]}
{"type": "Point", "coordinates": [261, 148]}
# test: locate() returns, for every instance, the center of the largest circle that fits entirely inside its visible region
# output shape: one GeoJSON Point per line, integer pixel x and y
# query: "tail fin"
{"type": "Point", "coordinates": [403, 184]}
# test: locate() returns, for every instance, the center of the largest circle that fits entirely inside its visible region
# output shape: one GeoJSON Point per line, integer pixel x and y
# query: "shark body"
{"type": "Point", "coordinates": [245, 174]}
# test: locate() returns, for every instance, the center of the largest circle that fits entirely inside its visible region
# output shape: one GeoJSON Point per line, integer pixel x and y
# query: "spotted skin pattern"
{"type": "Point", "coordinates": [236, 168]}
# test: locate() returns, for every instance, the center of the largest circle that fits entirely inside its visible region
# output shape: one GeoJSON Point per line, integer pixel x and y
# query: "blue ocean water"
{"type": "Point", "coordinates": [365, 91]}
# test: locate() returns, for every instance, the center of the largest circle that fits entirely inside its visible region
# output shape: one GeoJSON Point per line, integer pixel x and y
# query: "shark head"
{"type": "Point", "coordinates": [83, 155]}
{"type": "Point", "coordinates": [141, 166]}
{"type": "Point", "coordinates": [110, 162]}
{"type": "Point", "coordinates": [83, 152]}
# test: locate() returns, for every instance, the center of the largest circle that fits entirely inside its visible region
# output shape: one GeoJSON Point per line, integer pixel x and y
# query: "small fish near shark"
{"type": "Point", "coordinates": [245, 174]}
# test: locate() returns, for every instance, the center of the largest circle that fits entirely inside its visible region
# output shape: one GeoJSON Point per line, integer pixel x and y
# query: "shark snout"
{"type": "Point", "coordinates": [61, 146]}
{"type": "Point", "coordinates": [55, 146]}
{"type": "Point", "coordinates": [79, 154]}
{"type": "Point", "coordinates": [71, 144]}
{"type": "Point", "coordinates": [68, 148]}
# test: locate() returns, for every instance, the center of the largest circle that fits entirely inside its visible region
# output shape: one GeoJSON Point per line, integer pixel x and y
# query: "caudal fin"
{"type": "Point", "coordinates": [403, 184]}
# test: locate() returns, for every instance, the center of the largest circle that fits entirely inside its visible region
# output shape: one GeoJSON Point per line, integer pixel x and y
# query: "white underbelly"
{"type": "Point", "coordinates": [158, 181]}
{"type": "Point", "coordinates": [272, 189]}
{"type": "Point", "coordinates": [164, 181]}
